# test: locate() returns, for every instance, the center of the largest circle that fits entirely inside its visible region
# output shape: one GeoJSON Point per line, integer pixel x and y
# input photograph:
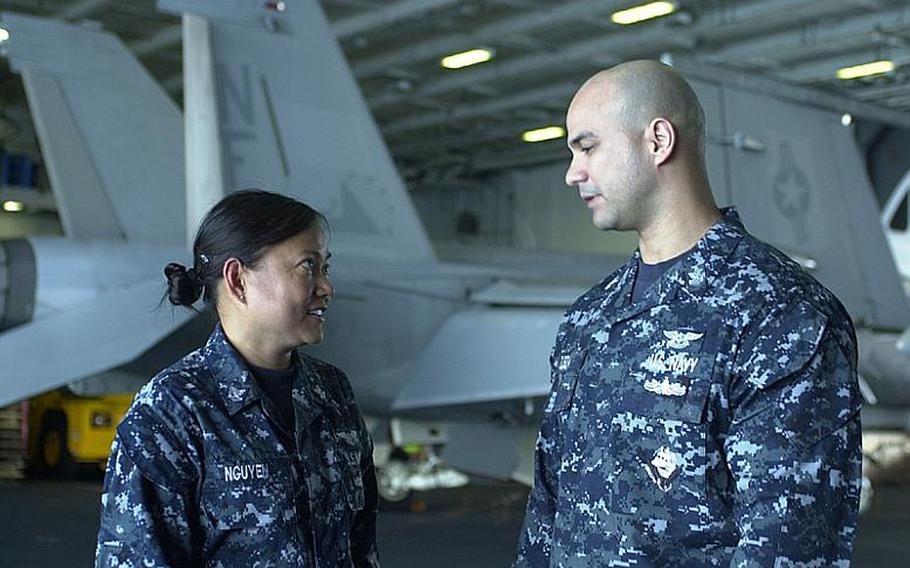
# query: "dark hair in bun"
{"type": "Point", "coordinates": [183, 287]}
{"type": "Point", "coordinates": [241, 226]}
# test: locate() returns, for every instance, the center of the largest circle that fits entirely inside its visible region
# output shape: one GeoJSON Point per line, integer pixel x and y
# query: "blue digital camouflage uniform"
{"type": "Point", "coordinates": [715, 422]}
{"type": "Point", "coordinates": [199, 475]}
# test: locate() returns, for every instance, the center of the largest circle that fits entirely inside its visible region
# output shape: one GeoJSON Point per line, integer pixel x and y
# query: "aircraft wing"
{"type": "Point", "coordinates": [112, 329]}
{"type": "Point", "coordinates": [112, 144]}
{"type": "Point", "coordinates": [484, 354]}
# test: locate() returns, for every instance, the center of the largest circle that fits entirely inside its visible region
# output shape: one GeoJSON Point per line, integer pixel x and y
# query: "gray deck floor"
{"type": "Point", "coordinates": [46, 523]}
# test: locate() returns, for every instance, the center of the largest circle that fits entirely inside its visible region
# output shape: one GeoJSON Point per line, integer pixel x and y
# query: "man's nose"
{"type": "Point", "coordinates": [575, 174]}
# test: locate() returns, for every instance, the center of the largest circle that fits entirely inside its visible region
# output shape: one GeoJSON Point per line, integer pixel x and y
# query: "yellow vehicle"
{"type": "Point", "coordinates": [67, 430]}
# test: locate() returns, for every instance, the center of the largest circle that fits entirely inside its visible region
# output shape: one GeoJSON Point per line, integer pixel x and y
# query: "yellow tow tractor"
{"type": "Point", "coordinates": [67, 430]}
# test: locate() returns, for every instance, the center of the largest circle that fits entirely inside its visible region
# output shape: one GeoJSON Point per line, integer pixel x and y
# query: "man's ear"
{"type": "Point", "coordinates": [234, 277]}
{"type": "Point", "coordinates": [661, 137]}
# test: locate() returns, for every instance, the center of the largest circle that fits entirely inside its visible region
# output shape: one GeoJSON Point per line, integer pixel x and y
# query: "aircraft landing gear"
{"type": "Point", "coordinates": [393, 481]}
{"type": "Point", "coordinates": [417, 471]}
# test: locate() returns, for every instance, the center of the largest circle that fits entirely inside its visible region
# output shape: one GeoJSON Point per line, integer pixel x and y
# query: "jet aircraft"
{"type": "Point", "coordinates": [271, 102]}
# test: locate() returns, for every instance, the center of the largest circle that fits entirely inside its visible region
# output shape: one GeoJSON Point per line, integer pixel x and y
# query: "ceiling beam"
{"type": "Point", "coordinates": [800, 94]}
{"type": "Point", "coordinates": [367, 21]}
{"type": "Point", "coordinates": [725, 22]}
{"type": "Point", "coordinates": [491, 33]}
{"type": "Point", "coordinates": [900, 100]}
{"type": "Point", "coordinates": [162, 39]}
{"type": "Point", "coordinates": [881, 91]}
{"type": "Point", "coordinates": [548, 152]}
{"type": "Point", "coordinates": [832, 35]}
{"type": "Point", "coordinates": [411, 147]}
{"type": "Point", "coordinates": [826, 69]}
{"type": "Point", "coordinates": [499, 105]}
{"type": "Point", "coordinates": [499, 159]}
{"type": "Point", "coordinates": [387, 15]}
{"type": "Point", "coordinates": [81, 9]}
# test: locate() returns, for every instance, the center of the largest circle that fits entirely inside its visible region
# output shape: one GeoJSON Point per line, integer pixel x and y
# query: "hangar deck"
{"type": "Point", "coordinates": [47, 523]}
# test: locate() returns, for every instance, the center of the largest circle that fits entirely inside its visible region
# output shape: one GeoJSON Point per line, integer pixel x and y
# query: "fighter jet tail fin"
{"type": "Point", "coordinates": [292, 119]}
{"type": "Point", "coordinates": [111, 137]}
{"type": "Point", "coordinates": [796, 175]}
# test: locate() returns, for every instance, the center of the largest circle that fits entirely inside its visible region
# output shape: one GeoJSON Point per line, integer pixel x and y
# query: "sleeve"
{"type": "Point", "coordinates": [536, 538]}
{"type": "Point", "coordinates": [794, 445]}
{"type": "Point", "coordinates": [148, 502]}
{"type": "Point", "coordinates": [364, 551]}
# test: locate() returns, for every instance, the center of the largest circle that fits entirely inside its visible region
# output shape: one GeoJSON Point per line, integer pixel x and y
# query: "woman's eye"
{"type": "Point", "coordinates": [325, 268]}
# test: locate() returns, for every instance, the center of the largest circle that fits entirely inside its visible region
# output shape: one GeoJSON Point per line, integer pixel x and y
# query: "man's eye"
{"type": "Point", "coordinates": [586, 149]}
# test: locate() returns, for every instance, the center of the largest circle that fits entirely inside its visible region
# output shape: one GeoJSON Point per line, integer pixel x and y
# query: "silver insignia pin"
{"type": "Point", "coordinates": [681, 339]}
{"type": "Point", "coordinates": [665, 387]}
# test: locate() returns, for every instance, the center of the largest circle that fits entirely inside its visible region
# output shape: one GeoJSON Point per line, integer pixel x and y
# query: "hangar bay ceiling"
{"type": "Point", "coordinates": [457, 124]}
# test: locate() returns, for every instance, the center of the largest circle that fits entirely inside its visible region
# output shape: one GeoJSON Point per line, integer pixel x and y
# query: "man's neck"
{"type": "Point", "coordinates": [676, 228]}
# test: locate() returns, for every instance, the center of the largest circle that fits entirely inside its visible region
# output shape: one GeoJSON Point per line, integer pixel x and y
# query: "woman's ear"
{"type": "Point", "coordinates": [234, 275]}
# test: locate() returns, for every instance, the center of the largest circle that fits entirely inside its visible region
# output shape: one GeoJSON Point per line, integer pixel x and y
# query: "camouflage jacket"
{"type": "Point", "coordinates": [200, 475]}
{"type": "Point", "coordinates": [715, 422]}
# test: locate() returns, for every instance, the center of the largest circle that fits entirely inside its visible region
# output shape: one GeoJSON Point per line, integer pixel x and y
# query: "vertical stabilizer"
{"type": "Point", "coordinates": [111, 137]}
{"type": "Point", "coordinates": [802, 187]}
{"type": "Point", "coordinates": [292, 119]}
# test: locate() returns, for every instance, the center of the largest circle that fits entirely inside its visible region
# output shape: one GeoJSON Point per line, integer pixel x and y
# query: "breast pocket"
{"type": "Point", "coordinates": [256, 497]}
{"type": "Point", "coordinates": [349, 462]}
{"type": "Point", "coordinates": [659, 444]}
{"type": "Point", "coordinates": [566, 371]}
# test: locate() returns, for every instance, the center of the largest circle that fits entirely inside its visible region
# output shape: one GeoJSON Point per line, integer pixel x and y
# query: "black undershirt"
{"type": "Point", "coordinates": [650, 273]}
{"type": "Point", "coordinates": [276, 385]}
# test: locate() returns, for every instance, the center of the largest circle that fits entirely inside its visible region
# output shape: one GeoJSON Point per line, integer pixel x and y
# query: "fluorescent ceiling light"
{"type": "Point", "coordinates": [541, 134]}
{"type": "Point", "coordinates": [846, 119]}
{"type": "Point", "coordinates": [13, 206]}
{"type": "Point", "coordinates": [866, 69]}
{"type": "Point", "coordinates": [466, 58]}
{"type": "Point", "coordinates": [4, 34]}
{"type": "Point", "coordinates": [643, 12]}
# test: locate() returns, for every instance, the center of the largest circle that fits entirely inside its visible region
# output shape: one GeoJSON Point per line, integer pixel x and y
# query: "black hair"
{"type": "Point", "coordinates": [241, 226]}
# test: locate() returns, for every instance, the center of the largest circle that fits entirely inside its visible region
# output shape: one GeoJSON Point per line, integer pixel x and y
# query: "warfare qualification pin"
{"type": "Point", "coordinates": [664, 467]}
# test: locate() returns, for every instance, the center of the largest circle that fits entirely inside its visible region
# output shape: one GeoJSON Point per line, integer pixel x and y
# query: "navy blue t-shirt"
{"type": "Point", "coordinates": [650, 273]}
{"type": "Point", "coordinates": [276, 385]}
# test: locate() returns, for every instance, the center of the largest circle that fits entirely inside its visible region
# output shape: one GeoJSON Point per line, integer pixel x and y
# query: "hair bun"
{"type": "Point", "coordinates": [183, 287]}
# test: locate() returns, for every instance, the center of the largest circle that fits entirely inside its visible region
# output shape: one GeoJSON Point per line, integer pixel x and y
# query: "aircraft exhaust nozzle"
{"type": "Point", "coordinates": [18, 279]}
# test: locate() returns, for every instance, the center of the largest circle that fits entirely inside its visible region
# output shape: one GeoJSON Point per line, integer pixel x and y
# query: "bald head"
{"type": "Point", "coordinates": [636, 92]}
{"type": "Point", "coordinates": [636, 132]}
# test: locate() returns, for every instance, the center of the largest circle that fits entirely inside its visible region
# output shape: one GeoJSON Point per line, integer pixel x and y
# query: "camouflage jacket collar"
{"type": "Point", "coordinates": [237, 386]}
{"type": "Point", "coordinates": [692, 276]}
{"type": "Point", "coordinates": [311, 393]}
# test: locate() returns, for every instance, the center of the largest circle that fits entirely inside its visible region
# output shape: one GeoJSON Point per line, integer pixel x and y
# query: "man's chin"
{"type": "Point", "coordinates": [603, 224]}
